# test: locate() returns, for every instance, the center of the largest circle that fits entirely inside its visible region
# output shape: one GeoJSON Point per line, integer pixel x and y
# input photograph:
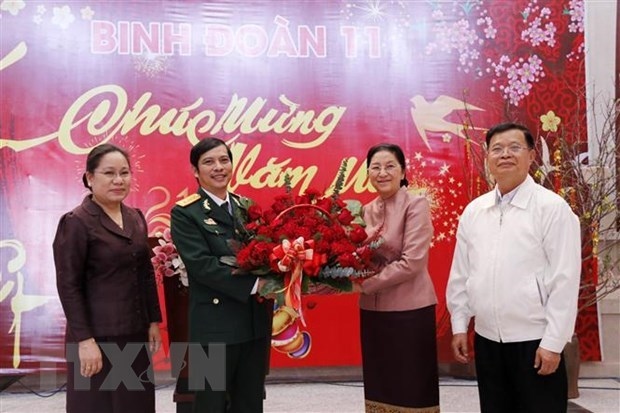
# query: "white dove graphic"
{"type": "Point", "coordinates": [430, 117]}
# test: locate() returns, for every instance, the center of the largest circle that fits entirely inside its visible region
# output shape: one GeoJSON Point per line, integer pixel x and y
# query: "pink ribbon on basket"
{"type": "Point", "coordinates": [293, 258]}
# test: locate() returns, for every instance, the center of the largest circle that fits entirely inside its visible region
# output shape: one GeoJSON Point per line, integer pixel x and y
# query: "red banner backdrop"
{"type": "Point", "coordinates": [294, 86]}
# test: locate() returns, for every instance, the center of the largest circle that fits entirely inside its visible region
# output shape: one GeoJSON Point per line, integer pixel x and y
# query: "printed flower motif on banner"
{"type": "Point", "coordinates": [469, 29]}
{"type": "Point", "coordinates": [87, 13]}
{"type": "Point", "coordinates": [63, 17]}
{"type": "Point", "coordinates": [550, 122]}
{"type": "Point", "coordinates": [12, 6]}
{"type": "Point", "coordinates": [519, 77]}
{"type": "Point", "coordinates": [576, 11]}
{"type": "Point", "coordinates": [166, 261]}
{"type": "Point", "coordinates": [475, 39]}
{"type": "Point", "coordinates": [540, 30]}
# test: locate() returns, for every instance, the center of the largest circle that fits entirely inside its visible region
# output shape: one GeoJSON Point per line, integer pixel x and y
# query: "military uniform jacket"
{"type": "Point", "coordinates": [221, 308]}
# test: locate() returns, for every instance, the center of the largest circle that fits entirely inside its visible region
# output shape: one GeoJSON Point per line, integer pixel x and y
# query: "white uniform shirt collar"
{"type": "Point", "coordinates": [219, 201]}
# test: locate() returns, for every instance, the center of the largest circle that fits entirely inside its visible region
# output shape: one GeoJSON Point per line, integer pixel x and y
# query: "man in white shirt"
{"type": "Point", "coordinates": [516, 270]}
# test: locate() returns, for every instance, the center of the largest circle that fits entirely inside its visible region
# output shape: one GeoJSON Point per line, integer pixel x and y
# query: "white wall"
{"type": "Point", "coordinates": [601, 35]}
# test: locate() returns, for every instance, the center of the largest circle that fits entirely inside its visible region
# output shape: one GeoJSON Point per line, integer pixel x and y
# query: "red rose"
{"type": "Point", "coordinates": [347, 260]}
{"type": "Point", "coordinates": [321, 245]}
{"type": "Point", "coordinates": [313, 194]}
{"type": "Point", "coordinates": [345, 217]}
{"type": "Point", "coordinates": [269, 216]}
{"type": "Point", "coordinates": [339, 248]}
{"type": "Point", "coordinates": [325, 204]}
{"type": "Point", "coordinates": [281, 202]}
{"type": "Point", "coordinates": [302, 199]}
{"type": "Point", "coordinates": [254, 212]}
{"type": "Point", "coordinates": [357, 234]}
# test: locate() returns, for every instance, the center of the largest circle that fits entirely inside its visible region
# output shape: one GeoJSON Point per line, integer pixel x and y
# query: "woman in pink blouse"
{"type": "Point", "coordinates": [397, 305]}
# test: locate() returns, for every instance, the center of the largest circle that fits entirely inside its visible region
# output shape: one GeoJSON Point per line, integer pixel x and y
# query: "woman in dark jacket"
{"type": "Point", "coordinates": [107, 289]}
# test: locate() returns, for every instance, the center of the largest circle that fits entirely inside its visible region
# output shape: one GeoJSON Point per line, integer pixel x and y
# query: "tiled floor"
{"type": "Point", "coordinates": [457, 395]}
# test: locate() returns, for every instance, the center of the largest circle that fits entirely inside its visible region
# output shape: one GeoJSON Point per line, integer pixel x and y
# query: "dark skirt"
{"type": "Point", "coordinates": [95, 395]}
{"type": "Point", "coordinates": [399, 360]}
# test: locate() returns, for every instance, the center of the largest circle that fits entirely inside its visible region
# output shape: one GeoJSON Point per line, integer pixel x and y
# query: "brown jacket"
{"type": "Point", "coordinates": [104, 275]}
{"type": "Point", "coordinates": [404, 222]}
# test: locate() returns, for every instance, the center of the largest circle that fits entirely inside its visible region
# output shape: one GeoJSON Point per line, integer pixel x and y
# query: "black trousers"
{"type": "Point", "coordinates": [245, 381]}
{"type": "Point", "coordinates": [508, 381]}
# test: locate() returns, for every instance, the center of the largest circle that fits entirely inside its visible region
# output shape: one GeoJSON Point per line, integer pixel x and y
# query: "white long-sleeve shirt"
{"type": "Point", "coordinates": [516, 268]}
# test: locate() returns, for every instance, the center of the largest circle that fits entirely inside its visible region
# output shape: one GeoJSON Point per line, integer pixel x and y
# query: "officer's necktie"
{"type": "Point", "coordinates": [226, 207]}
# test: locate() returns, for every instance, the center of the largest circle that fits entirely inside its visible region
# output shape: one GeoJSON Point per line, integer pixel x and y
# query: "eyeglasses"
{"type": "Point", "coordinates": [389, 169]}
{"type": "Point", "coordinates": [512, 150]}
{"type": "Point", "coordinates": [111, 175]}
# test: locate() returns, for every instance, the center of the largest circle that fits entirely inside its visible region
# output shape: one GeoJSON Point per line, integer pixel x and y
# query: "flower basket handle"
{"type": "Point", "coordinates": [326, 214]}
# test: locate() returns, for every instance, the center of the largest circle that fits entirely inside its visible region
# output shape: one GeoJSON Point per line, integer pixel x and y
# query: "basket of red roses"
{"type": "Point", "coordinates": [304, 244]}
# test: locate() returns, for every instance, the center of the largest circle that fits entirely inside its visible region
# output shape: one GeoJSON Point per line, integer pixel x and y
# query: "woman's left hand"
{"type": "Point", "coordinates": [154, 338]}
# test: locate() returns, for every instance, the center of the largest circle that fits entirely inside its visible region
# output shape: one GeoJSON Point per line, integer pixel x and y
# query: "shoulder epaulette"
{"type": "Point", "coordinates": [235, 197]}
{"type": "Point", "coordinates": [188, 200]}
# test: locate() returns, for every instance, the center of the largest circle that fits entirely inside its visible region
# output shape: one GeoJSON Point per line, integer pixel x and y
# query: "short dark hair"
{"type": "Point", "coordinates": [94, 158]}
{"type": "Point", "coordinates": [205, 145]}
{"type": "Point", "coordinates": [394, 150]}
{"type": "Point", "coordinates": [503, 127]}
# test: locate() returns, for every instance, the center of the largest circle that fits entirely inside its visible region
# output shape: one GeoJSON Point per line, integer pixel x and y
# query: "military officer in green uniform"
{"type": "Point", "coordinates": [223, 306]}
